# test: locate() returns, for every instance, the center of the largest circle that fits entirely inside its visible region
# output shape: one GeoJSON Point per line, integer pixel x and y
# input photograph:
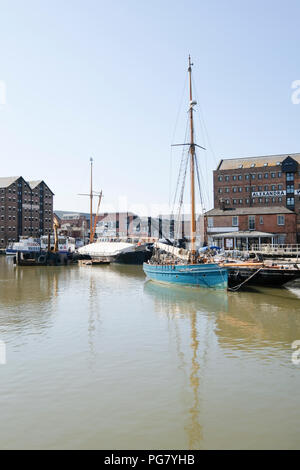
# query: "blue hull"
{"type": "Point", "coordinates": [198, 275]}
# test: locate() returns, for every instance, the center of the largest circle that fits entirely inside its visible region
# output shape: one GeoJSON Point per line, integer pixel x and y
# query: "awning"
{"type": "Point", "coordinates": [249, 234]}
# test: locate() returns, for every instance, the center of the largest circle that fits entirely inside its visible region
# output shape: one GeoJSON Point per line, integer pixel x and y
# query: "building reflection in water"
{"type": "Point", "coordinates": [28, 296]}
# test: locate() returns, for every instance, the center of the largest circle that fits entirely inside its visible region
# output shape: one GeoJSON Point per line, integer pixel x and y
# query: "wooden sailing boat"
{"type": "Point", "coordinates": [194, 273]}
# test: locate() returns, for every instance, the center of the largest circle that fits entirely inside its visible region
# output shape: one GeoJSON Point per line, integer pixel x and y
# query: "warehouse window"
{"type": "Point", "coordinates": [280, 220]}
{"type": "Point", "coordinates": [210, 222]}
{"type": "Point", "coordinates": [251, 222]}
{"type": "Point", "coordinates": [235, 221]}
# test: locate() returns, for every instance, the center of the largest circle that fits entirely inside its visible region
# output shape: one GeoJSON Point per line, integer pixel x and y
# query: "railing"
{"type": "Point", "coordinates": [276, 249]}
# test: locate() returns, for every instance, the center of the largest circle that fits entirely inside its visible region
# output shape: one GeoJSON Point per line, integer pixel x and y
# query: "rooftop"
{"type": "Point", "coordinates": [249, 211]}
{"type": "Point", "coordinates": [243, 234]}
{"type": "Point", "coordinates": [7, 181]}
{"type": "Point", "coordinates": [253, 162]}
{"type": "Point", "coordinates": [34, 184]}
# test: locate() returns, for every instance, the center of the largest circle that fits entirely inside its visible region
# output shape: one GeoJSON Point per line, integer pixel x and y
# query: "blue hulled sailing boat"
{"type": "Point", "coordinates": [195, 271]}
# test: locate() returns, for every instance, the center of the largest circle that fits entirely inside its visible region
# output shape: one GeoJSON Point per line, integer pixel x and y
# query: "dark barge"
{"type": "Point", "coordinates": [261, 275]}
{"type": "Point", "coordinates": [47, 258]}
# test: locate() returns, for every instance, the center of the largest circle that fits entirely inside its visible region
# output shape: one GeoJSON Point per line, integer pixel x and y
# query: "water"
{"type": "Point", "coordinates": [98, 358]}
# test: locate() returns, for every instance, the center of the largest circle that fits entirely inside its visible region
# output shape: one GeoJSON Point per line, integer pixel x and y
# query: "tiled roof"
{"type": "Point", "coordinates": [248, 162]}
{"type": "Point", "coordinates": [249, 211]}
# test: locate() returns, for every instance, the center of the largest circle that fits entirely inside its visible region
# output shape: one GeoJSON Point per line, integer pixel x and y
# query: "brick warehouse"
{"type": "Point", "coordinates": [267, 186]}
{"type": "Point", "coordinates": [26, 209]}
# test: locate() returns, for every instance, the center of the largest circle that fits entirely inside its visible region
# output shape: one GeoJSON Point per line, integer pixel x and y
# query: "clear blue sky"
{"type": "Point", "coordinates": [105, 79]}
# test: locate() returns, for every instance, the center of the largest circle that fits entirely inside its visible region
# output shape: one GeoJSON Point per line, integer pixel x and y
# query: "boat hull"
{"type": "Point", "coordinates": [197, 275]}
{"type": "Point", "coordinates": [266, 277]}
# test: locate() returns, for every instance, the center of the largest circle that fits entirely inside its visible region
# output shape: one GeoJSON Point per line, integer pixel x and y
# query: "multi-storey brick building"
{"type": "Point", "coordinates": [261, 183]}
{"type": "Point", "coordinates": [26, 209]}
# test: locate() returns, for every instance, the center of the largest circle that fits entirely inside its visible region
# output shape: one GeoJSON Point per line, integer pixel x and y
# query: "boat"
{"type": "Point", "coordinates": [37, 245]}
{"type": "Point", "coordinates": [261, 274]}
{"type": "Point", "coordinates": [118, 250]}
{"type": "Point", "coordinates": [65, 244]}
{"type": "Point", "coordinates": [113, 249]}
{"type": "Point", "coordinates": [187, 267]}
{"type": "Point", "coordinates": [25, 245]}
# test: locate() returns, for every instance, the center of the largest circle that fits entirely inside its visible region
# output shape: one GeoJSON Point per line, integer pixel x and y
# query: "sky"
{"type": "Point", "coordinates": [107, 80]}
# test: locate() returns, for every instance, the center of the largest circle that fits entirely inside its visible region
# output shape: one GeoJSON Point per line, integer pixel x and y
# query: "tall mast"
{"type": "Point", "coordinates": [192, 167]}
{"type": "Point", "coordinates": [91, 202]}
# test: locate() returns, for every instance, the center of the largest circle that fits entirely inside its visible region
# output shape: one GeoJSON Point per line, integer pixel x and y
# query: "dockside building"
{"type": "Point", "coordinates": [257, 199]}
{"type": "Point", "coordinates": [26, 209]}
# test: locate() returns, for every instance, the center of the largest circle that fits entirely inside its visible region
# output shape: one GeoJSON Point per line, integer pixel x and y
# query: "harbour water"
{"type": "Point", "coordinates": [96, 357]}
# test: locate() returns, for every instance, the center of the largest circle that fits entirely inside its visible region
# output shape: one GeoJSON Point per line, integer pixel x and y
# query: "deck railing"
{"type": "Point", "coordinates": [276, 249]}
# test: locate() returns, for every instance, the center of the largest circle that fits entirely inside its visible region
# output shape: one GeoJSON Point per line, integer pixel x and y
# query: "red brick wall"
{"type": "Point", "coordinates": [269, 224]}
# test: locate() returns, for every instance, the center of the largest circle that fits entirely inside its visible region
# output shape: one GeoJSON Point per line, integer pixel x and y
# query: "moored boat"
{"type": "Point", "coordinates": [259, 274]}
{"type": "Point", "coordinates": [199, 275]}
{"type": "Point", "coordinates": [196, 270]}
{"type": "Point", "coordinates": [25, 245]}
{"type": "Point", "coordinates": [118, 251]}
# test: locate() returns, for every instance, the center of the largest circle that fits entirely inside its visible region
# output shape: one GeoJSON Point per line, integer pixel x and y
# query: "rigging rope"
{"type": "Point", "coordinates": [174, 132]}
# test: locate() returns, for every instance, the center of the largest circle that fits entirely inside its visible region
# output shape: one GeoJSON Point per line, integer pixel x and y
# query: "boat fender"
{"type": "Point", "coordinates": [41, 259]}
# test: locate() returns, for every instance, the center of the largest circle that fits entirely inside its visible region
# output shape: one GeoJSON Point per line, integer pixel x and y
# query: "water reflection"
{"type": "Point", "coordinates": [259, 319]}
{"type": "Point", "coordinates": [179, 303]}
{"type": "Point", "coordinates": [27, 295]}
{"type": "Point", "coordinates": [182, 301]}
{"type": "Point", "coordinates": [260, 322]}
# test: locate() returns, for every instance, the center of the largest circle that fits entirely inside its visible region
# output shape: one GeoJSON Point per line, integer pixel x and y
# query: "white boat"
{"type": "Point", "coordinates": [35, 245]}
{"type": "Point", "coordinates": [123, 251]}
{"type": "Point", "coordinates": [65, 244]}
{"type": "Point", "coordinates": [25, 245]}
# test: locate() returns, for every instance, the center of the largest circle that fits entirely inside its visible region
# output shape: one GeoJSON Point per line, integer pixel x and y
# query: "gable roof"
{"type": "Point", "coordinates": [246, 162]}
{"type": "Point", "coordinates": [7, 181]}
{"type": "Point", "coordinates": [33, 184]}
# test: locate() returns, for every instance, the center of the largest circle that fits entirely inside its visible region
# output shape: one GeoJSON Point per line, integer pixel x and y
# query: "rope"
{"type": "Point", "coordinates": [174, 132]}
{"type": "Point", "coordinates": [236, 288]}
{"type": "Point", "coordinates": [181, 168]}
